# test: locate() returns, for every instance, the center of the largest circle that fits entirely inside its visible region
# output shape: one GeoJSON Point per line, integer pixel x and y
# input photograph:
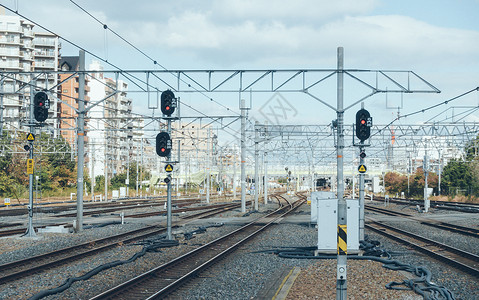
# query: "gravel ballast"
{"type": "Point", "coordinates": [246, 274]}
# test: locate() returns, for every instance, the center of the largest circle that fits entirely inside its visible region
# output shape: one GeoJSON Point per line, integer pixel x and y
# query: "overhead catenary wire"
{"type": "Point", "coordinates": [124, 72]}
{"type": "Point", "coordinates": [155, 62]}
{"type": "Point", "coordinates": [476, 89]}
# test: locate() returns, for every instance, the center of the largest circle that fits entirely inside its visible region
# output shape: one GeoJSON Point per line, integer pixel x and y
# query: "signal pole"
{"type": "Point", "coordinates": [361, 193]}
{"type": "Point", "coordinates": [168, 194]}
{"type": "Point", "coordinates": [30, 230]}
{"type": "Point", "coordinates": [341, 287]}
{"type": "Point", "coordinates": [163, 149]}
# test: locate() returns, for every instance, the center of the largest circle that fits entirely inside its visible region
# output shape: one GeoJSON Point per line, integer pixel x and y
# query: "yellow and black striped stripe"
{"type": "Point", "coordinates": [342, 240]}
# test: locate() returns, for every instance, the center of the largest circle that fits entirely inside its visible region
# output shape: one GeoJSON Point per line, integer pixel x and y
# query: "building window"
{"type": "Point", "coordinates": [65, 91]}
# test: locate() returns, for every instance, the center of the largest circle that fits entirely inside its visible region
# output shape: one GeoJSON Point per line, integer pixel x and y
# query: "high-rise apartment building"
{"type": "Point", "coordinates": [23, 50]}
{"type": "Point", "coordinates": [110, 127]}
{"type": "Point", "coordinates": [68, 93]}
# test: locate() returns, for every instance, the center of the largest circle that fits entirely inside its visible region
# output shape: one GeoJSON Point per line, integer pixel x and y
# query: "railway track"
{"type": "Point", "coordinates": [58, 207]}
{"type": "Point", "coordinates": [165, 279]}
{"type": "Point", "coordinates": [432, 223]}
{"type": "Point", "coordinates": [444, 205]}
{"type": "Point", "coordinates": [139, 215]}
{"type": "Point", "coordinates": [26, 267]}
{"type": "Point", "coordinates": [457, 258]}
{"type": "Point", "coordinates": [179, 203]}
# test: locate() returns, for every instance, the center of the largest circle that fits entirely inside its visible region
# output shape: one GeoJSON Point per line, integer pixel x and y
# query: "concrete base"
{"type": "Point", "coordinates": [54, 229]}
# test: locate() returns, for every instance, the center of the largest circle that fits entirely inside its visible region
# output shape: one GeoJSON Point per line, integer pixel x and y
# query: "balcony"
{"type": "Point", "coordinates": [125, 107]}
{"type": "Point", "coordinates": [10, 65]}
{"type": "Point", "coordinates": [10, 28]}
{"type": "Point", "coordinates": [40, 53]}
{"type": "Point", "coordinates": [9, 52]}
{"type": "Point", "coordinates": [44, 64]}
{"type": "Point", "coordinates": [44, 42]}
{"type": "Point", "coordinates": [26, 55]}
{"type": "Point", "coordinates": [10, 41]}
{"type": "Point", "coordinates": [28, 32]}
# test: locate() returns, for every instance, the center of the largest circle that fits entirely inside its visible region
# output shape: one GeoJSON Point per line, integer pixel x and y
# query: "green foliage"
{"type": "Point", "coordinates": [55, 167]}
{"type": "Point", "coordinates": [12, 172]}
{"type": "Point", "coordinates": [118, 181]}
{"type": "Point", "coordinates": [462, 177]}
{"type": "Point", "coordinates": [397, 183]}
{"type": "Point", "coordinates": [458, 178]}
{"type": "Point", "coordinates": [58, 171]}
{"type": "Point", "coordinates": [99, 183]}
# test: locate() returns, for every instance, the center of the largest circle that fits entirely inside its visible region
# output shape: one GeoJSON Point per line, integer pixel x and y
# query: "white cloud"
{"type": "Point", "coordinates": [370, 41]}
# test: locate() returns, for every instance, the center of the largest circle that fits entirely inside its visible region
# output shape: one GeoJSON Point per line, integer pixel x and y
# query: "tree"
{"type": "Point", "coordinates": [395, 183]}
{"type": "Point", "coordinates": [60, 168]}
{"type": "Point", "coordinates": [99, 183]}
{"type": "Point", "coordinates": [457, 178]}
{"type": "Point", "coordinates": [13, 178]}
{"type": "Point", "coordinates": [118, 180]}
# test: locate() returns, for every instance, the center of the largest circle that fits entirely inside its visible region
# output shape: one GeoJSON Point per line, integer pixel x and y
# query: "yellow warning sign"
{"type": "Point", "coordinates": [362, 169]}
{"type": "Point", "coordinates": [29, 166]}
{"type": "Point", "coordinates": [30, 137]}
{"type": "Point", "coordinates": [169, 168]}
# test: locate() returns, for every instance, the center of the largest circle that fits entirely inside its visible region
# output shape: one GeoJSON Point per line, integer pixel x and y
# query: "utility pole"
{"type": "Point", "coordinates": [266, 177]}
{"type": "Point", "coordinates": [256, 165]}
{"type": "Point", "coordinates": [234, 171]}
{"type": "Point", "coordinates": [141, 170]}
{"type": "Point", "coordinates": [439, 171]}
{"type": "Point", "coordinates": [92, 185]}
{"type": "Point", "coordinates": [341, 286]}
{"type": "Point", "coordinates": [426, 172]}
{"type": "Point", "coordinates": [137, 175]}
{"type": "Point", "coordinates": [81, 141]}
{"type": "Point", "coordinates": [243, 156]}
{"type": "Point", "coordinates": [1, 105]}
{"type": "Point", "coordinates": [106, 167]}
{"type": "Point", "coordinates": [409, 171]}
{"type": "Point", "coordinates": [208, 165]}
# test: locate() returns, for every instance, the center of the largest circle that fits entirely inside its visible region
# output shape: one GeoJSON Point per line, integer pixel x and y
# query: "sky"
{"type": "Point", "coordinates": [437, 39]}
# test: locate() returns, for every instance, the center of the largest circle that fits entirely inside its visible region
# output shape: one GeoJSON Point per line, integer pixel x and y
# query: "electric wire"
{"type": "Point", "coordinates": [155, 62]}
{"type": "Point", "coordinates": [427, 108]}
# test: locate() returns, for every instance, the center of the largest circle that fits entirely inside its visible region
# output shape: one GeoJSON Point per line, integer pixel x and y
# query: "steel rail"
{"type": "Point", "coordinates": [457, 258]}
{"type": "Point", "coordinates": [39, 263]}
{"type": "Point", "coordinates": [163, 280]}
{"type": "Point", "coordinates": [428, 222]}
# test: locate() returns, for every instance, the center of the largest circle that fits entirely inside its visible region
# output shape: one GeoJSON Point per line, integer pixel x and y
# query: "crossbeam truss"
{"type": "Point", "coordinates": [310, 82]}
{"type": "Point", "coordinates": [317, 142]}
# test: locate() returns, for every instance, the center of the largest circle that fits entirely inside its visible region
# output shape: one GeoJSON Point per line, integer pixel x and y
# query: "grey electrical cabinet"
{"type": "Point", "coordinates": [327, 220]}
{"type": "Point", "coordinates": [315, 197]}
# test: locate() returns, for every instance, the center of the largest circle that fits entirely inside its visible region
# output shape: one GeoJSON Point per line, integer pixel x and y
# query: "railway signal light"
{"type": "Point", "coordinates": [363, 124]}
{"type": "Point", "coordinates": [362, 154]}
{"type": "Point", "coordinates": [40, 106]}
{"type": "Point", "coordinates": [163, 144]}
{"type": "Point", "coordinates": [168, 103]}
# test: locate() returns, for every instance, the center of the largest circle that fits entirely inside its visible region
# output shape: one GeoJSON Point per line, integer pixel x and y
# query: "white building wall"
{"type": "Point", "coordinates": [96, 126]}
